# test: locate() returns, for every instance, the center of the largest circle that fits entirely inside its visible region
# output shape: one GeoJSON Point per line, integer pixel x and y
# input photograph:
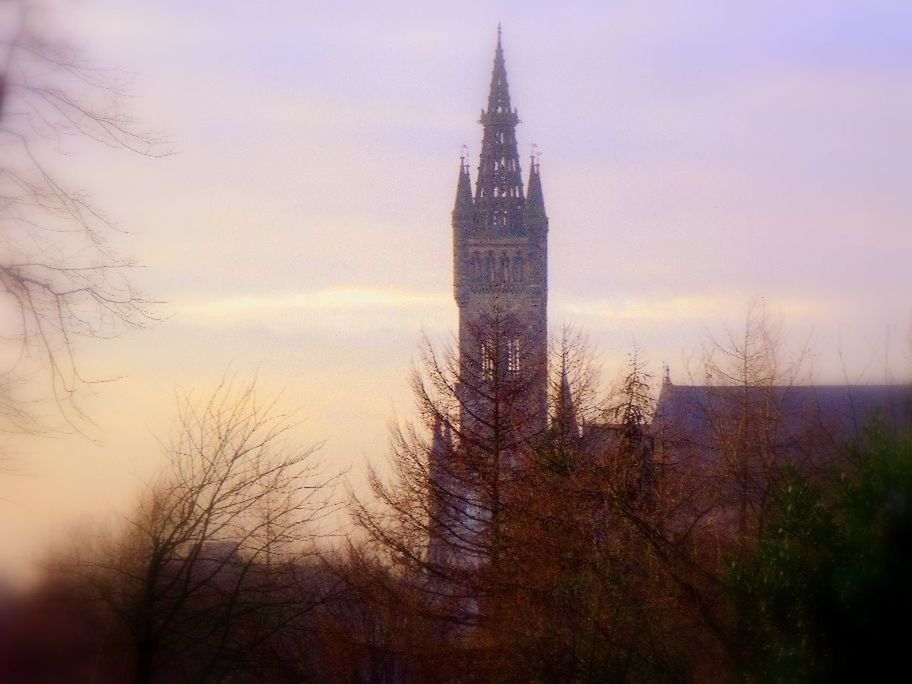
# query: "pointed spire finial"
{"type": "Point", "coordinates": [535, 158]}
{"type": "Point", "coordinates": [499, 95]}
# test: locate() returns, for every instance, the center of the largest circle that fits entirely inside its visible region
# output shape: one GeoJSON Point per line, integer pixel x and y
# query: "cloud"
{"type": "Point", "coordinates": [337, 300]}
{"type": "Point", "coordinates": [361, 301]}
{"type": "Point", "coordinates": [700, 308]}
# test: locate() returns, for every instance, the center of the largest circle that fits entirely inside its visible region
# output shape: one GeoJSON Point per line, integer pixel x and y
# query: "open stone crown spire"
{"type": "Point", "coordinates": [499, 187]}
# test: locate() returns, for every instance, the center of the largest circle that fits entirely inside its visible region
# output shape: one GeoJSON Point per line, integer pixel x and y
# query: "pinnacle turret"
{"type": "Point", "coordinates": [441, 444]}
{"type": "Point", "coordinates": [463, 208]}
{"type": "Point", "coordinates": [534, 215]}
{"type": "Point", "coordinates": [437, 444]}
{"type": "Point", "coordinates": [565, 410]}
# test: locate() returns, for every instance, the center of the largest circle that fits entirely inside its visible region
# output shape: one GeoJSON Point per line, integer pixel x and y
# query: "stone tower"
{"type": "Point", "coordinates": [500, 274]}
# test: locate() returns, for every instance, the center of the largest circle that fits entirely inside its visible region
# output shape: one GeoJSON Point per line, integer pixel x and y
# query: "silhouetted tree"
{"type": "Point", "coordinates": [60, 279]}
{"type": "Point", "coordinates": [749, 418]}
{"type": "Point", "coordinates": [219, 565]}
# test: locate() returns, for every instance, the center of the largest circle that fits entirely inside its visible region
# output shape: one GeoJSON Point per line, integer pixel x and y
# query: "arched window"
{"type": "Point", "coordinates": [504, 268]}
{"type": "Point", "coordinates": [475, 265]}
{"type": "Point", "coordinates": [518, 269]}
{"type": "Point", "coordinates": [487, 361]}
{"type": "Point", "coordinates": [513, 356]}
{"type": "Point", "coordinates": [490, 263]}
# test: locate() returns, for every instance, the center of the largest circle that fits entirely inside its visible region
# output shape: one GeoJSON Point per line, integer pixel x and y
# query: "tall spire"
{"type": "Point", "coordinates": [565, 418]}
{"type": "Point", "coordinates": [499, 189]}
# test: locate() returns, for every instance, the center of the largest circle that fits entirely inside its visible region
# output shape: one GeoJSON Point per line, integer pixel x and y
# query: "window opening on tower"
{"type": "Point", "coordinates": [487, 361]}
{"type": "Point", "coordinates": [513, 356]}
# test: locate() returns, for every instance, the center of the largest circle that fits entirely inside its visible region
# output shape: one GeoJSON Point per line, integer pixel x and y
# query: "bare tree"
{"type": "Point", "coordinates": [752, 425]}
{"type": "Point", "coordinates": [60, 278]}
{"type": "Point", "coordinates": [220, 564]}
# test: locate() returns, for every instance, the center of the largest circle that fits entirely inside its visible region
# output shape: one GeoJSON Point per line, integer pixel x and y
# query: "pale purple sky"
{"type": "Point", "coordinates": [695, 156]}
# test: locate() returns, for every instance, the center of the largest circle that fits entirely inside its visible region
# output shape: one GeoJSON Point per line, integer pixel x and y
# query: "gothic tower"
{"type": "Point", "coordinates": [500, 251]}
{"type": "Point", "coordinates": [500, 283]}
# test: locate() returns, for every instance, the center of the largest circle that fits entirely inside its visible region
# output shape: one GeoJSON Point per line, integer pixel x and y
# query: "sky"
{"type": "Point", "coordinates": [696, 157]}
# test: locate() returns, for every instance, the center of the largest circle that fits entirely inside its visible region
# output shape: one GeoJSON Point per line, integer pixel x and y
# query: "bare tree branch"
{"type": "Point", "coordinates": [60, 278]}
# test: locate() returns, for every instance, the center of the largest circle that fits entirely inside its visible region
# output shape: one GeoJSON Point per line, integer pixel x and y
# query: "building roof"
{"type": "Point", "coordinates": [702, 415]}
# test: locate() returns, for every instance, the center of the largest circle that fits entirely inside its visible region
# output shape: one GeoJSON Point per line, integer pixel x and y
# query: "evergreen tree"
{"type": "Point", "coordinates": [826, 595]}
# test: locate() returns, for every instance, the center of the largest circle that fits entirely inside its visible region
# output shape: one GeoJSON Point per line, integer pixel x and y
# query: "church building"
{"type": "Point", "coordinates": [500, 284]}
